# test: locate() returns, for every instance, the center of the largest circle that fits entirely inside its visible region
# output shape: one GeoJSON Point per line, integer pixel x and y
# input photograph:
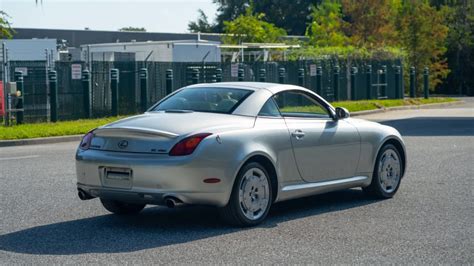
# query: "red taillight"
{"type": "Point", "coordinates": [188, 145]}
{"type": "Point", "coordinates": [86, 141]}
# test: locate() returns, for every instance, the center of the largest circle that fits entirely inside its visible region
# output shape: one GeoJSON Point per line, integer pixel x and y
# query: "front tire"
{"type": "Point", "coordinates": [251, 196]}
{"type": "Point", "coordinates": [387, 173]}
{"type": "Point", "coordinates": [121, 208]}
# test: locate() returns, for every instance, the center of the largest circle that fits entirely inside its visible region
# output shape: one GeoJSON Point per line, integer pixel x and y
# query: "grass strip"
{"type": "Point", "coordinates": [82, 126]}
{"type": "Point", "coordinates": [62, 128]}
{"type": "Point", "coordinates": [364, 105]}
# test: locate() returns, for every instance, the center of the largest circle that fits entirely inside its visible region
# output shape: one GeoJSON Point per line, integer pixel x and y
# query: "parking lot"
{"type": "Point", "coordinates": [430, 220]}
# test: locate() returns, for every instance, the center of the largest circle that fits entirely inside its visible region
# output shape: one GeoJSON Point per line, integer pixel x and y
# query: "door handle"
{"type": "Point", "coordinates": [298, 134]}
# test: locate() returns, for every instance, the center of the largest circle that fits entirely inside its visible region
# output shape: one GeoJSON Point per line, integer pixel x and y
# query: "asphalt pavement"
{"type": "Point", "coordinates": [430, 220]}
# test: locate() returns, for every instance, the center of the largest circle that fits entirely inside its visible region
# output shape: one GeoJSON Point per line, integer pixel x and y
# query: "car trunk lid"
{"type": "Point", "coordinates": [158, 132]}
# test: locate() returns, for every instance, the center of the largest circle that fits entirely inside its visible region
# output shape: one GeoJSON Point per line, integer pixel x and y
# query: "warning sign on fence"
{"type": "Point", "coordinates": [2, 107]}
{"type": "Point", "coordinates": [312, 70]}
{"type": "Point", "coordinates": [23, 70]}
{"type": "Point", "coordinates": [234, 70]}
{"type": "Point", "coordinates": [76, 71]}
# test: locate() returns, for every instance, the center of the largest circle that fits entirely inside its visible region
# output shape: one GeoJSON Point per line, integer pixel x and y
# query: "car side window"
{"type": "Point", "coordinates": [297, 104]}
{"type": "Point", "coordinates": [269, 109]}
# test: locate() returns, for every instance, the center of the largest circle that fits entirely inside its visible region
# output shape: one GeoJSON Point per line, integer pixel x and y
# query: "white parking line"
{"type": "Point", "coordinates": [19, 157]}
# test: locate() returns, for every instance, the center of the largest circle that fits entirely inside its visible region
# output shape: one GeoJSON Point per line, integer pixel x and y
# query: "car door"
{"type": "Point", "coordinates": [324, 148]}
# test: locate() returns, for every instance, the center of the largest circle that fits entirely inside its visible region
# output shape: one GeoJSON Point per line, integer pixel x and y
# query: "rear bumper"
{"type": "Point", "coordinates": [155, 197]}
{"type": "Point", "coordinates": [156, 177]}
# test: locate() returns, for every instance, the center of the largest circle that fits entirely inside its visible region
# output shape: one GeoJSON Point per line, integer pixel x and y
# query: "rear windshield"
{"type": "Point", "coordinates": [212, 100]}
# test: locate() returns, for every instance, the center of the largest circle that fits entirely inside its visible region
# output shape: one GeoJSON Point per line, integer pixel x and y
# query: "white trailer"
{"type": "Point", "coordinates": [162, 51]}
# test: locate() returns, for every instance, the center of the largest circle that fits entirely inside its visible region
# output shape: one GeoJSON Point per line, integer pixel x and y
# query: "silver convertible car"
{"type": "Point", "coordinates": [239, 146]}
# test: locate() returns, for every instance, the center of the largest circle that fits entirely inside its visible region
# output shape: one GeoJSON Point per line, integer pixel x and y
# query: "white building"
{"type": "Point", "coordinates": [154, 51]}
{"type": "Point", "coordinates": [31, 49]}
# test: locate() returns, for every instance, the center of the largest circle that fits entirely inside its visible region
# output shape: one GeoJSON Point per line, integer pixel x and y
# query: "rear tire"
{"type": "Point", "coordinates": [387, 173]}
{"type": "Point", "coordinates": [119, 207]}
{"type": "Point", "coordinates": [251, 197]}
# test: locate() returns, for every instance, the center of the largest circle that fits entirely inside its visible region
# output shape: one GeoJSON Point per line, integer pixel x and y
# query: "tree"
{"type": "Point", "coordinates": [291, 15]}
{"type": "Point", "coordinates": [133, 29]}
{"type": "Point", "coordinates": [229, 10]}
{"type": "Point", "coordinates": [326, 27]}
{"type": "Point", "coordinates": [251, 28]}
{"type": "Point", "coordinates": [423, 31]}
{"type": "Point", "coordinates": [202, 24]}
{"type": "Point", "coordinates": [371, 22]}
{"type": "Point", "coordinates": [461, 45]}
{"type": "Point", "coordinates": [6, 31]}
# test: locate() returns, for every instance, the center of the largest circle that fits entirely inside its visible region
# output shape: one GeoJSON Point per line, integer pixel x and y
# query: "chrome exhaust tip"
{"type": "Point", "coordinates": [83, 195]}
{"type": "Point", "coordinates": [173, 202]}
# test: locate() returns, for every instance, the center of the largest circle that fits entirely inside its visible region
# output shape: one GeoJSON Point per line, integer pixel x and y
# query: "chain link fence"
{"type": "Point", "coordinates": [71, 91]}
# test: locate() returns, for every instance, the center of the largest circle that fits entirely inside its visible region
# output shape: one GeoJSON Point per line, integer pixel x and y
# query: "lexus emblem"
{"type": "Point", "coordinates": [122, 144]}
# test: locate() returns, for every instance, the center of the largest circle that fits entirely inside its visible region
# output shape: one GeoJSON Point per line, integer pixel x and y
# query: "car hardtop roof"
{"type": "Point", "coordinates": [272, 87]}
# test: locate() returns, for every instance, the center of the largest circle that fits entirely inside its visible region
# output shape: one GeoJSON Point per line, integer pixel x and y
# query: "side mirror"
{"type": "Point", "coordinates": [342, 113]}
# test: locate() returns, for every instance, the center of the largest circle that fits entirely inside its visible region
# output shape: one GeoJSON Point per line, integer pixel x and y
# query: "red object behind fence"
{"type": "Point", "coordinates": [2, 107]}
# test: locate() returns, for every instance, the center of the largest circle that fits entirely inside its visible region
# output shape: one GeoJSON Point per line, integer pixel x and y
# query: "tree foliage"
{"type": "Point", "coordinates": [348, 52]}
{"type": "Point", "coordinates": [291, 15]}
{"type": "Point", "coordinates": [138, 29]}
{"type": "Point", "coordinates": [411, 29]}
{"type": "Point", "coordinates": [326, 27]}
{"type": "Point", "coordinates": [461, 46]}
{"type": "Point", "coordinates": [370, 22]}
{"type": "Point", "coordinates": [423, 31]}
{"type": "Point", "coordinates": [228, 10]}
{"type": "Point", "coordinates": [6, 32]}
{"type": "Point", "coordinates": [250, 27]}
{"type": "Point", "coordinates": [202, 24]}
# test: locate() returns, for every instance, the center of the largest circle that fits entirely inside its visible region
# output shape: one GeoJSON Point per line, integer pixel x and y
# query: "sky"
{"type": "Point", "coordinates": [153, 15]}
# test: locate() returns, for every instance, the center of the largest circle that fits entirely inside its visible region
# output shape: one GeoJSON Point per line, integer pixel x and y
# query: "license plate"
{"type": "Point", "coordinates": [118, 173]}
{"type": "Point", "coordinates": [116, 177]}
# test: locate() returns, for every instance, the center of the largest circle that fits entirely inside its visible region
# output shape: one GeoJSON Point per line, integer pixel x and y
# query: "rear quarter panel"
{"type": "Point", "coordinates": [230, 150]}
{"type": "Point", "coordinates": [373, 136]}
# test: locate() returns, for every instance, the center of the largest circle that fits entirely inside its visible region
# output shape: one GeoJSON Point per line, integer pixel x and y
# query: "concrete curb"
{"type": "Point", "coordinates": [49, 140]}
{"type": "Point", "coordinates": [408, 107]}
